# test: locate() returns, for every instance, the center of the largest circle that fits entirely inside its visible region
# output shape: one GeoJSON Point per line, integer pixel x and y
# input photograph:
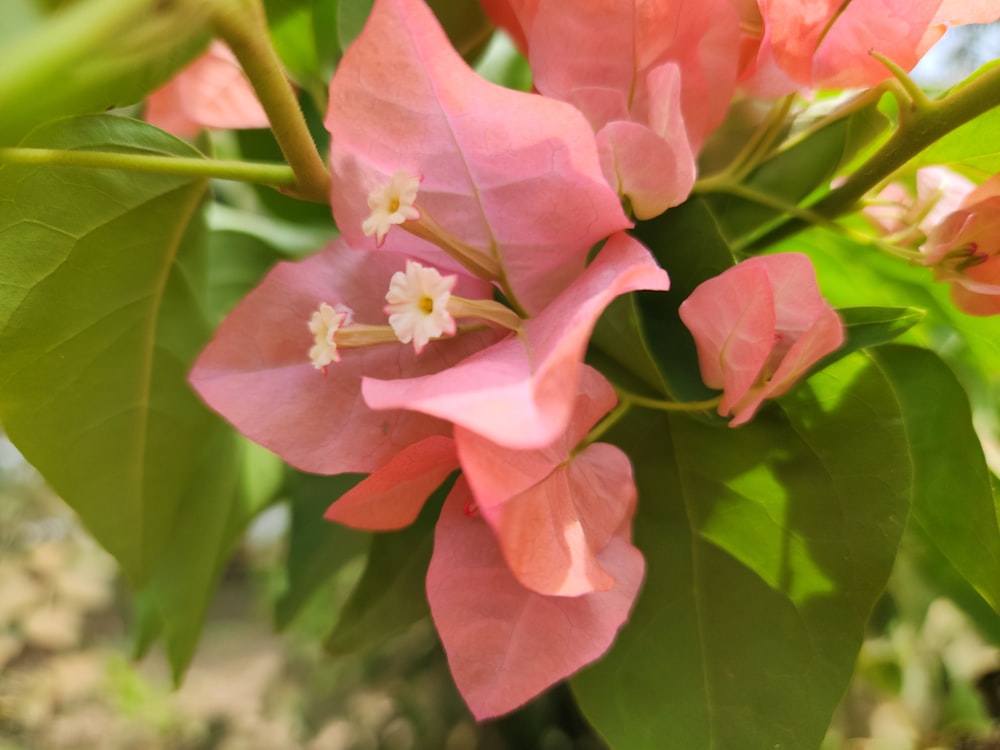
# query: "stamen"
{"type": "Point", "coordinates": [392, 204]}
{"type": "Point", "coordinates": [418, 304]}
{"type": "Point", "coordinates": [323, 325]}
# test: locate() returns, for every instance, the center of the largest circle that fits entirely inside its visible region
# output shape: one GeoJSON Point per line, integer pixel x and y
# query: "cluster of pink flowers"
{"type": "Point", "coordinates": [387, 353]}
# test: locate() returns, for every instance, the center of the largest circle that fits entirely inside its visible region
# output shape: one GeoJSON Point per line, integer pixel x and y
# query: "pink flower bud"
{"type": "Point", "coordinates": [758, 327]}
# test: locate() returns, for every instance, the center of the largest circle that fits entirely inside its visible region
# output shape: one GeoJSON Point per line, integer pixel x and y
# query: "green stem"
{"type": "Point", "coordinates": [243, 26]}
{"type": "Point", "coordinates": [279, 175]}
{"type": "Point", "coordinates": [661, 405]}
{"type": "Point", "coordinates": [927, 125]}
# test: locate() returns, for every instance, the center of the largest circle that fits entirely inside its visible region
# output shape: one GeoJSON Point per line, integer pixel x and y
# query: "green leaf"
{"type": "Point", "coordinates": [390, 597]}
{"type": "Point", "coordinates": [290, 239]}
{"type": "Point", "coordinates": [618, 349]}
{"type": "Point", "coordinates": [687, 242]}
{"type": "Point", "coordinates": [871, 326]}
{"type": "Point", "coordinates": [464, 22]}
{"type": "Point", "coordinates": [766, 548]}
{"type": "Point", "coordinates": [953, 503]}
{"type": "Point", "coordinates": [99, 324]}
{"type": "Point", "coordinates": [236, 480]}
{"type": "Point", "coordinates": [94, 55]}
{"type": "Point", "coordinates": [351, 17]}
{"type": "Point", "coordinates": [317, 549]}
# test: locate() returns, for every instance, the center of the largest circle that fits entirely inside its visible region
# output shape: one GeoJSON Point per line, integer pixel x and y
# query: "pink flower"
{"type": "Point", "coordinates": [653, 100]}
{"type": "Point", "coordinates": [825, 43]}
{"type": "Point", "coordinates": [519, 391]}
{"type": "Point", "coordinates": [258, 373]}
{"type": "Point", "coordinates": [758, 327]}
{"type": "Point", "coordinates": [512, 178]}
{"type": "Point", "coordinates": [212, 92]}
{"type": "Point", "coordinates": [908, 218]}
{"type": "Point", "coordinates": [964, 249]}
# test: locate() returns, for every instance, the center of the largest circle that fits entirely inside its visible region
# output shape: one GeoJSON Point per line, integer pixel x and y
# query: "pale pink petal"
{"type": "Point", "coordinates": [506, 644]}
{"type": "Point", "coordinates": [391, 496]}
{"type": "Point", "coordinates": [554, 511]}
{"type": "Point", "coordinates": [570, 44]}
{"type": "Point", "coordinates": [654, 173]}
{"type": "Point", "coordinates": [825, 335]}
{"type": "Point", "coordinates": [514, 175]}
{"type": "Point", "coordinates": [819, 48]}
{"type": "Point", "coordinates": [212, 92]}
{"type": "Point", "coordinates": [956, 13]}
{"type": "Point", "coordinates": [256, 372]}
{"type": "Point", "coordinates": [972, 303]}
{"type": "Point", "coordinates": [519, 392]}
{"type": "Point", "coordinates": [731, 318]}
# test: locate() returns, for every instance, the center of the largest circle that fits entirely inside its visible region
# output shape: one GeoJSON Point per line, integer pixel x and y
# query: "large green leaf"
{"type": "Point", "coordinates": [91, 56]}
{"type": "Point", "coordinates": [234, 480]}
{"type": "Point", "coordinates": [953, 503]}
{"type": "Point", "coordinates": [99, 323]}
{"type": "Point", "coordinates": [766, 548]}
{"type": "Point", "coordinates": [317, 549]}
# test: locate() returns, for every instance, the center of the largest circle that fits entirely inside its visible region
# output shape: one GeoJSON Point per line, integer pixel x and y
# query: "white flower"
{"type": "Point", "coordinates": [392, 204]}
{"type": "Point", "coordinates": [325, 322]}
{"type": "Point", "coordinates": [418, 304]}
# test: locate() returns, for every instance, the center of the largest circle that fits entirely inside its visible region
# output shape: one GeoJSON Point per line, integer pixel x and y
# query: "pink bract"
{"type": "Point", "coordinates": [826, 43]}
{"type": "Point", "coordinates": [758, 327]}
{"type": "Point", "coordinates": [212, 92]}
{"type": "Point", "coordinates": [554, 511]}
{"type": "Point", "coordinates": [391, 497]}
{"type": "Point", "coordinates": [673, 73]}
{"type": "Point", "coordinates": [964, 249]}
{"type": "Point", "coordinates": [514, 175]}
{"type": "Point", "coordinates": [256, 372]}
{"type": "Point", "coordinates": [896, 211]}
{"type": "Point", "coordinates": [519, 392]}
{"type": "Point", "coordinates": [504, 642]}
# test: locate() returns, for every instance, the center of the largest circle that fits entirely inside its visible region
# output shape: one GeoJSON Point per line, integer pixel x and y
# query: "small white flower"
{"type": "Point", "coordinates": [325, 322]}
{"type": "Point", "coordinates": [392, 204]}
{"type": "Point", "coordinates": [418, 304]}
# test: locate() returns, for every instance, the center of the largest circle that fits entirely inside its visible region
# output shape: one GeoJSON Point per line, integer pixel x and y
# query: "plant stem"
{"type": "Point", "coordinates": [661, 405]}
{"type": "Point", "coordinates": [243, 26]}
{"type": "Point", "coordinates": [279, 175]}
{"type": "Point", "coordinates": [927, 124]}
